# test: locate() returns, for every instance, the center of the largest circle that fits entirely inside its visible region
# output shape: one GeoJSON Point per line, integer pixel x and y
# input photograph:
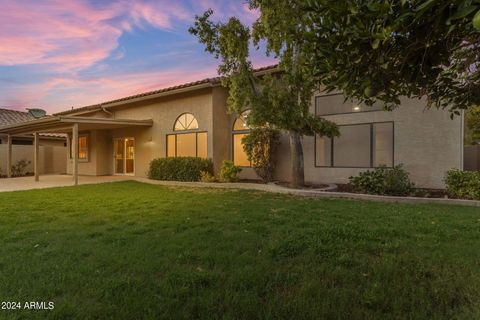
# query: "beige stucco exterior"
{"type": "Point", "coordinates": [427, 142]}
{"type": "Point", "coordinates": [52, 154]}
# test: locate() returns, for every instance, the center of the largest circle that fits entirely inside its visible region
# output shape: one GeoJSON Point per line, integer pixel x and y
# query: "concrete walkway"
{"type": "Point", "coordinates": [50, 181]}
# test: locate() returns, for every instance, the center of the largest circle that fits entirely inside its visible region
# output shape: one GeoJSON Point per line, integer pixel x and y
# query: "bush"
{"type": "Point", "coordinates": [383, 181]}
{"type": "Point", "coordinates": [18, 169]}
{"type": "Point", "coordinates": [260, 146]}
{"type": "Point", "coordinates": [229, 172]}
{"type": "Point", "coordinates": [207, 177]}
{"type": "Point", "coordinates": [179, 169]}
{"type": "Point", "coordinates": [463, 184]}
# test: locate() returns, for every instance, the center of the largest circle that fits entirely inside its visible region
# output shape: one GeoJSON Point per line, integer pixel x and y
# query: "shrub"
{"type": "Point", "coordinates": [229, 172]}
{"type": "Point", "coordinates": [383, 181]}
{"type": "Point", "coordinates": [463, 184]}
{"type": "Point", "coordinates": [18, 169]}
{"type": "Point", "coordinates": [179, 169]}
{"type": "Point", "coordinates": [207, 177]}
{"type": "Point", "coordinates": [260, 146]}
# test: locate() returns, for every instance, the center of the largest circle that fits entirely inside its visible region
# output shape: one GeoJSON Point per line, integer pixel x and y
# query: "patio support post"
{"type": "Point", "coordinates": [36, 142]}
{"type": "Point", "coordinates": [9, 156]}
{"type": "Point", "coordinates": [75, 153]}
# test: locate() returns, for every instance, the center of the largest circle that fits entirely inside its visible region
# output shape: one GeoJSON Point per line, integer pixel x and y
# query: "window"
{"type": "Point", "coordinates": [335, 104]}
{"type": "Point", "coordinates": [185, 121]}
{"type": "Point", "coordinates": [359, 146]}
{"type": "Point", "coordinates": [187, 143]}
{"type": "Point", "coordinates": [82, 147]}
{"type": "Point", "coordinates": [240, 130]}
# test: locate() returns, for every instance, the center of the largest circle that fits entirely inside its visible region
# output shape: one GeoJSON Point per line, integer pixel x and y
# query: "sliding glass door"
{"type": "Point", "coordinates": [124, 156]}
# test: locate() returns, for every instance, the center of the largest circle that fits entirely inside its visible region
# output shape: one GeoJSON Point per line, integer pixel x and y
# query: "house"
{"type": "Point", "coordinates": [122, 136]}
{"type": "Point", "coordinates": [52, 150]}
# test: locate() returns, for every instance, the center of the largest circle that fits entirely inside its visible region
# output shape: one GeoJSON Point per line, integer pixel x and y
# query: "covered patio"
{"type": "Point", "coordinates": [69, 125]}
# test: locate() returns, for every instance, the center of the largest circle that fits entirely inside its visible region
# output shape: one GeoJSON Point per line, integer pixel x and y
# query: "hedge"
{"type": "Point", "coordinates": [179, 168]}
{"type": "Point", "coordinates": [463, 184]}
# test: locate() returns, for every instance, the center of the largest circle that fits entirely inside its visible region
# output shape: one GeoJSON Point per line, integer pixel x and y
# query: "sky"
{"type": "Point", "coordinates": [58, 54]}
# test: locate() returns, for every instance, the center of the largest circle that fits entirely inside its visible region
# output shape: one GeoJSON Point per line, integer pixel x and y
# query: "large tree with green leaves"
{"type": "Point", "coordinates": [382, 50]}
{"type": "Point", "coordinates": [281, 100]}
{"type": "Point", "coordinates": [472, 122]}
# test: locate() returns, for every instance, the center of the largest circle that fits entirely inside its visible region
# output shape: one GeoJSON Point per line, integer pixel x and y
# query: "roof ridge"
{"type": "Point", "coordinates": [212, 80]}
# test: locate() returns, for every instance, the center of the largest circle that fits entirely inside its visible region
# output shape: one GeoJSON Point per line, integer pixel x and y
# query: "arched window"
{"type": "Point", "coordinates": [188, 141]}
{"type": "Point", "coordinates": [240, 129]}
{"type": "Point", "coordinates": [186, 121]}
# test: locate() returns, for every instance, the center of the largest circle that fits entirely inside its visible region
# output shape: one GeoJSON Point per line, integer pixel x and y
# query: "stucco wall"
{"type": "Point", "coordinates": [52, 157]}
{"type": "Point", "coordinates": [427, 142]}
{"type": "Point", "coordinates": [150, 142]}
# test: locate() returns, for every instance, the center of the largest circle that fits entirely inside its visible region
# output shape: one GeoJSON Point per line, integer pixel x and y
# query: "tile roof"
{"type": "Point", "coordinates": [212, 81]}
{"type": "Point", "coordinates": [8, 116]}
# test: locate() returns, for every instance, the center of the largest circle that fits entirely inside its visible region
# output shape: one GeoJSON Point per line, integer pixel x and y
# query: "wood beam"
{"type": "Point", "coordinates": [75, 153]}
{"type": "Point", "coordinates": [36, 154]}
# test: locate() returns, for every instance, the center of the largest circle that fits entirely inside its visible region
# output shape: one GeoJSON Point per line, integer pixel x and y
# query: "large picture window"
{"type": "Point", "coordinates": [359, 146]}
{"type": "Point", "coordinates": [335, 104]}
{"type": "Point", "coordinates": [240, 130]}
{"type": "Point", "coordinates": [186, 143]}
{"type": "Point", "coordinates": [83, 143]}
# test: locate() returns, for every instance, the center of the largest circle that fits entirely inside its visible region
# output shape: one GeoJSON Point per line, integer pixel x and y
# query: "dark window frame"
{"type": "Point", "coordinates": [332, 148]}
{"type": "Point", "coordinates": [177, 119]}
{"type": "Point", "coordinates": [237, 132]}
{"type": "Point", "coordinates": [81, 134]}
{"type": "Point", "coordinates": [180, 133]}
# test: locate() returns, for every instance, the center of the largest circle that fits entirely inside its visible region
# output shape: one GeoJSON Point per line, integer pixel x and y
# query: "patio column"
{"type": "Point", "coordinates": [36, 142]}
{"type": "Point", "coordinates": [9, 156]}
{"type": "Point", "coordinates": [75, 153]}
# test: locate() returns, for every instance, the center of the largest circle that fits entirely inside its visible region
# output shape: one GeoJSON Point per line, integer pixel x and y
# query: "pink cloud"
{"type": "Point", "coordinates": [73, 35]}
{"type": "Point", "coordinates": [64, 37]}
{"type": "Point", "coordinates": [62, 93]}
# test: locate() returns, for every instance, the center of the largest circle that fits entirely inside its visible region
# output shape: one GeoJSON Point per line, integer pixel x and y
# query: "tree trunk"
{"type": "Point", "coordinates": [297, 178]}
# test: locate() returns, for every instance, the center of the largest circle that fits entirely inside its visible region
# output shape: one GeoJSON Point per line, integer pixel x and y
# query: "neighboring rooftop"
{"type": "Point", "coordinates": [8, 116]}
{"type": "Point", "coordinates": [210, 81]}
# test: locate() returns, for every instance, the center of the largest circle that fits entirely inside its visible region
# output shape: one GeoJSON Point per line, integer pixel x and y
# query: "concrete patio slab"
{"type": "Point", "coordinates": [51, 181]}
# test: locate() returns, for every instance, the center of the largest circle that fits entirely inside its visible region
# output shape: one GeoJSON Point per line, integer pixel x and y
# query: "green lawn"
{"type": "Point", "coordinates": [129, 250]}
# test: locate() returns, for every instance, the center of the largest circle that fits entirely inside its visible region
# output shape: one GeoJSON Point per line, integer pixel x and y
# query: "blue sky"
{"type": "Point", "coordinates": [58, 54]}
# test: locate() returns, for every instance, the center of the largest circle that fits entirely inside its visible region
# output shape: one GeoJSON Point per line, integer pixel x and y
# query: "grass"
{"type": "Point", "coordinates": [129, 250]}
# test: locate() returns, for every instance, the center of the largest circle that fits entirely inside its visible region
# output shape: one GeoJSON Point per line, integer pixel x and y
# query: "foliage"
{"type": "Point", "coordinates": [206, 176]}
{"type": "Point", "coordinates": [260, 145]}
{"type": "Point", "coordinates": [472, 122]}
{"type": "Point", "coordinates": [200, 253]}
{"type": "Point", "coordinates": [18, 169]}
{"type": "Point", "coordinates": [463, 184]}
{"type": "Point", "coordinates": [383, 181]}
{"type": "Point", "coordinates": [179, 168]}
{"type": "Point", "coordinates": [229, 172]}
{"type": "Point", "coordinates": [281, 101]}
{"type": "Point", "coordinates": [382, 50]}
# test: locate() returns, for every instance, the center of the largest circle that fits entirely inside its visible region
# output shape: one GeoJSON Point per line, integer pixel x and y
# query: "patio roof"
{"type": "Point", "coordinates": [63, 124]}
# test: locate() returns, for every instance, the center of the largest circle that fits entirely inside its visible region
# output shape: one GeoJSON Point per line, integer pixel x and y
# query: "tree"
{"type": "Point", "coordinates": [260, 146]}
{"type": "Point", "coordinates": [472, 121]}
{"type": "Point", "coordinates": [382, 50]}
{"type": "Point", "coordinates": [280, 100]}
